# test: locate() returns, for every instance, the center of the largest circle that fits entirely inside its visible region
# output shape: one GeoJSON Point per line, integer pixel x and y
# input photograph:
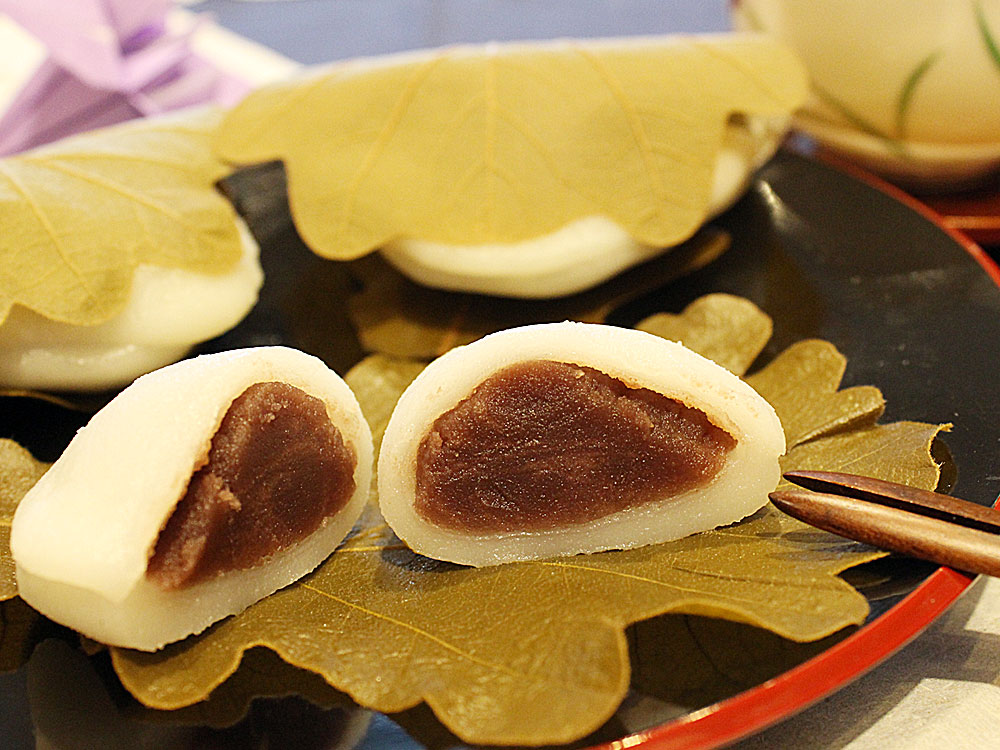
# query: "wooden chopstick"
{"type": "Point", "coordinates": [922, 502]}
{"type": "Point", "coordinates": [918, 523]}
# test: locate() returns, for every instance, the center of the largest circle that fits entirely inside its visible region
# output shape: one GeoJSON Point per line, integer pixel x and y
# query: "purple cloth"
{"type": "Point", "coordinates": [108, 61]}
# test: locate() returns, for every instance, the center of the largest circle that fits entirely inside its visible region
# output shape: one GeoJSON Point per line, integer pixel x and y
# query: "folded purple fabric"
{"type": "Point", "coordinates": [108, 61]}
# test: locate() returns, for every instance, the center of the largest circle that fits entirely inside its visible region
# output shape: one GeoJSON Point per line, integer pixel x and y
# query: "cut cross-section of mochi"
{"type": "Point", "coordinates": [200, 489]}
{"type": "Point", "coordinates": [565, 438]}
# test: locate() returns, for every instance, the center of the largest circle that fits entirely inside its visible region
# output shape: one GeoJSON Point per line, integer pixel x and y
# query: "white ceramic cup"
{"type": "Point", "coordinates": [908, 88]}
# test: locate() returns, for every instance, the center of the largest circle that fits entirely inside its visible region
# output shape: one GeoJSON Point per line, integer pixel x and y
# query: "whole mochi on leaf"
{"type": "Point", "coordinates": [501, 143]}
{"type": "Point", "coordinates": [535, 653]}
{"type": "Point", "coordinates": [80, 214]}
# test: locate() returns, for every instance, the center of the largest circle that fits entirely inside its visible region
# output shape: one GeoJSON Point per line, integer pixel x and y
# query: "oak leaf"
{"type": "Point", "coordinates": [731, 331]}
{"type": "Point", "coordinates": [829, 409]}
{"type": "Point", "coordinates": [18, 472]}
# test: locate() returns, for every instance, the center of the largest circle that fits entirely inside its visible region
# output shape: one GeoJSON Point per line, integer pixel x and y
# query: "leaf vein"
{"type": "Point", "coordinates": [634, 120]}
{"type": "Point", "coordinates": [49, 230]}
{"type": "Point", "coordinates": [264, 124]}
{"type": "Point", "coordinates": [384, 136]}
{"type": "Point", "coordinates": [539, 146]}
{"type": "Point", "coordinates": [747, 71]}
{"type": "Point", "coordinates": [117, 187]}
{"type": "Point", "coordinates": [663, 584]}
{"type": "Point", "coordinates": [187, 167]}
{"type": "Point", "coordinates": [418, 632]}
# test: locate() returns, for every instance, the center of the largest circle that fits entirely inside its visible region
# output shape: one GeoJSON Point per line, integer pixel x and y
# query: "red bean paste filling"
{"type": "Point", "coordinates": [542, 445]}
{"type": "Point", "coordinates": [277, 468]}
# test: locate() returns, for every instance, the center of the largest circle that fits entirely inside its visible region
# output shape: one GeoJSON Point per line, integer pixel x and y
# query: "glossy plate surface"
{"type": "Point", "coordinates": [826, 254]}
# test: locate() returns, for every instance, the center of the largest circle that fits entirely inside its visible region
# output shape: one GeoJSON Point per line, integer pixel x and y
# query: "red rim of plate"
{"type": "Point", "coordinates": [798, 688]}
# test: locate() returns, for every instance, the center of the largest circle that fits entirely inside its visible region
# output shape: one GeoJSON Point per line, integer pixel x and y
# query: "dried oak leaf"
{"type": "Point", "coordinates": [18, 473]}
{"type": "Point", "coordinates": [829, 409]}
{"type": "Point", "coordinates": [262, 674]}
{"type": "Point", "coordinates": [79, 215]}
{"type": "Point", "coordinates": [395, 316]}
{"type": "Point", "coordinates": [377, 150]}
{"type": "Point", "coordinates": [536, 653]}
{"type": "Point", "coordinates": [708, 325]}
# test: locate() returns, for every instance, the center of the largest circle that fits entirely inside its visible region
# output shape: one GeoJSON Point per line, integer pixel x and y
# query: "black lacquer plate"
{"type": "Point", "coordinates": [915, 309]}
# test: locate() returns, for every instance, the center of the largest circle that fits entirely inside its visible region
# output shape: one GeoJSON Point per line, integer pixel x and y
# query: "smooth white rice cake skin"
{"type": "Point", "coordinates": [83, 535]}
{"type": "Point", "coordinates": [585, 252]}
{"type": "Point", "coordinates": [636, 358]}
{"type": "Point", "coordinates": [169, 310]}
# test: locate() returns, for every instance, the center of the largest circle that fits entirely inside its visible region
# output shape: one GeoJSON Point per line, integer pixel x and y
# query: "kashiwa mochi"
{"type": "Point", "coordinates": [169, 310]}
{"type": "Point", "coordinates": [522, 169]}
{"type": "Point", "coordinates": [118, 253]}
{"type": "Point", "coordinates": [198, 490]}
{"type": "Point", "coordinates": [563, 438]}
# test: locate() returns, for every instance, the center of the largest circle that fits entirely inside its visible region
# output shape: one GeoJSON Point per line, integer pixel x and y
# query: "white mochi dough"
{"type": "Point", "coordinates": [83, 535]}
{"type": "Point", "coordinates": [636, 358]}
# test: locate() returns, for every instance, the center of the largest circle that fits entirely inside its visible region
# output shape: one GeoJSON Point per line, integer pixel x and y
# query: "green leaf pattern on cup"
{"type": "Point", "coordinates": [909, 87]}
{"type": "Point", "coordinates": [858, 122]}
{"type": "Point", "coordinates": [894, 141]}
{"type": "Point", "coordinates": [990, 42]}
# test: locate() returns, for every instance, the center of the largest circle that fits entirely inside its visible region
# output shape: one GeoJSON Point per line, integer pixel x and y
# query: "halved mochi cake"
{"type": "Point", "coordinates": [563, 438]}
{"type": "Point", "coordinates": [200, 489]}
